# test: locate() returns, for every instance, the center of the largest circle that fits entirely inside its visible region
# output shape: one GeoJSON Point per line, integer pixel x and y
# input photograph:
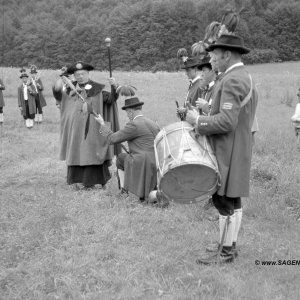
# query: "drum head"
{"type": "Point", "coordinates": [186, 183]}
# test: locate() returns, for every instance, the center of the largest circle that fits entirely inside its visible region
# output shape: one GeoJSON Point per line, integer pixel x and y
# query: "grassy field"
{"type": "Point", "coordinates": [57, 243]}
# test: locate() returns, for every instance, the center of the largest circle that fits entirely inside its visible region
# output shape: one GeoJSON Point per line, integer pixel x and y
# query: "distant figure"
{"type": "Point", "coordinates": [39, 97]}
{"type": "Point", "coordinates": [87, 155]}
{"type": "Point", "coordinates": [2, 103]}
{"type": "Point", "coordinates": [26, 100]}
{"type": "Point", "coordinates": [136, 169]}
{"type": "Point", "coordinates": [296, 117]}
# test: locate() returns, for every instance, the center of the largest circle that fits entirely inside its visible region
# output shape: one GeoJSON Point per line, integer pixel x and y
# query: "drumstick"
{"type": "Point", "coordinates": [180, 115]}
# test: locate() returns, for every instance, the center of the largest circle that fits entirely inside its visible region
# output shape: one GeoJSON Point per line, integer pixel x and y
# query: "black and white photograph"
{"type": "Point", "coordinates": [149, 149]}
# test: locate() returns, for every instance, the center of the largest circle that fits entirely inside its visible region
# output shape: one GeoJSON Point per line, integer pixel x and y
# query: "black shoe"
{"type": "Point", "coordinates": [215, 259]}
{"type": "Point", "coordinates": [225, 256]}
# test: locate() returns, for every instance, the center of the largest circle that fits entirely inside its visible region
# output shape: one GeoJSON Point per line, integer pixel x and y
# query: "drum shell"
{"type": "Point", "coordinates": [187, 167]}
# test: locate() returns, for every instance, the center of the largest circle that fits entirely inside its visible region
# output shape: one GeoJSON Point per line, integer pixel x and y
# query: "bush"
{"type": "Point", "coordinates": [258, 56]}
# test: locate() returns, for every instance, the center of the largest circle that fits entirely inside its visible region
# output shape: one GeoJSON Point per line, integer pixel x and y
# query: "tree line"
{"type": "Point", "coordinates": [146, 34]}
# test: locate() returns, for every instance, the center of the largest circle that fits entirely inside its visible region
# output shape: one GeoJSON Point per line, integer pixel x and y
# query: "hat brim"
{"type": "Point", "coordinates": [24, 76]}
{"type": "Point", "coordinates": [240, 49]}
{"type": "Point", "coordinates": [190, 66]}
{"type": "Point", "coordinates": [87, 68]}
{"type": "Point", "coordinates": [132, 105]}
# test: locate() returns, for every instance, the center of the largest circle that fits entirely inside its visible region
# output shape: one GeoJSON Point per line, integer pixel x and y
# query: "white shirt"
{"type": "Point", "coordinates": [195, 79]}
{"type": "Point", "coordinates": [25, 91]}
{"type": "Point", "coordinates": [234, 66]}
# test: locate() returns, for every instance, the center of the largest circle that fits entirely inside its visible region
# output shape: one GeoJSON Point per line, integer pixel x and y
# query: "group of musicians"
{"type": "Point", "coordinates": [225, 98]}
{"type": "Point", "coordinates": [30, 97]}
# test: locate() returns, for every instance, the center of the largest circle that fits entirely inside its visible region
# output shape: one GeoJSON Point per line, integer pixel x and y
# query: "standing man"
{"type": "Point", "coordinates": [196, 86]}
{"type": "Point", "coordinates": [229, 127]}
{"type": "Point", "coordinates": [87, 156]}
{"type": "Point", "coordinates": [136, 169]}
{"type": "Point", "coordinates": [26, 100]}
{"type": "Point", "coordinates": [39, 97]}
{"type": "Point", "coordinates": [2, 103]}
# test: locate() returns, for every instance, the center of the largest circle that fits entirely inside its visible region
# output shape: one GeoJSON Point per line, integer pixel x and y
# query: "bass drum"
{"type": "Point", "coordinates": [187, 169]}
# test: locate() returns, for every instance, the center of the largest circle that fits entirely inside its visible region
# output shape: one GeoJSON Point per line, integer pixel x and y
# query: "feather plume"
{"type": "Point", "coordinates": [212, 32]}
{"type": "Point", "coordinates": [230, 21]}
{"type": "Point", "coordinates": [182, 54]}
{"type": "Point", "coordinates": [126, 90]}
{"type": "Point", "coordinates": [199, 49]}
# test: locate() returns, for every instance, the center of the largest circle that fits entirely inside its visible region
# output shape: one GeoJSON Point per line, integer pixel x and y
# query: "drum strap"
{"type": "Point", "coordinates": [248, 97]}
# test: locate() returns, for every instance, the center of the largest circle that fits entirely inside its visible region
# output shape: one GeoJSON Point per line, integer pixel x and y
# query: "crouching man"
{"type": "Point", "coordinates": [136, 169]}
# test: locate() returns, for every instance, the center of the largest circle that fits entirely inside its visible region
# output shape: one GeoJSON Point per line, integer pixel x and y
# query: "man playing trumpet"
{"type": "Point", "coordinates": [39, 97]}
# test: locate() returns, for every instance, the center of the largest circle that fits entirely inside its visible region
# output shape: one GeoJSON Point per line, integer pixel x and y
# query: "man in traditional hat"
{"type": "Point", "coordinates": [136, 169]}
{"type": "Point", "coordinates": [192, 67]}
{"type": "Point", "coordinates": [229, 128]}
{"type": "Point", "coordinates": [209, 75]}
{"type": "Point", "coordinates": [39, 97]}
{"type": "Point", "coordinates": [26, 100]}
{"type": "Point", "coordinates": [2, 103]}
{"type": "Point", "coordinates": [88, 156]}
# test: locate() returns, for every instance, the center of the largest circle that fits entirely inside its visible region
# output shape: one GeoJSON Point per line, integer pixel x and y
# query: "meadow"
{"type": "Point", "coordinates": [58, 243]}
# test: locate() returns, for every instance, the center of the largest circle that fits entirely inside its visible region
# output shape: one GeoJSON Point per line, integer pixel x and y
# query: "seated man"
{"type": "Point", "coordinates": [136, 169]}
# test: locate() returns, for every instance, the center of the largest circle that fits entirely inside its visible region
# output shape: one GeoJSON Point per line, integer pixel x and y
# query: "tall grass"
{"type": "Point", "coordinates": [57, 243]}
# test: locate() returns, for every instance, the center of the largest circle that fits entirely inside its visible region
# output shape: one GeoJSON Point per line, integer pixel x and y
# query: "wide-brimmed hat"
{"type": "Point", "coordinates": [191, 62]}
{"type": "Point", "coordinates": [132, 102]}
{"type": "Point", "coordinates": [205, 62]}
{"type": "Point", "coordinates": [23, 75]}
{"type": "Point", "coordinates": [80, 66]}
{"type": "Point", "coordinates": [230, 42]}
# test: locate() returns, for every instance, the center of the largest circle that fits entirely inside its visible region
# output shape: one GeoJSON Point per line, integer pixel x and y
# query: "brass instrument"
{"type": "Point", "coordinates": [86, 107]}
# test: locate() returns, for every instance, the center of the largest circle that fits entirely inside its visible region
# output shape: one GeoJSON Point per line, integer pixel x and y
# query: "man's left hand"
{"type": "Point", "coordinates": [191, 117]}
{"type": "Point", "coordinates": [112, 81]}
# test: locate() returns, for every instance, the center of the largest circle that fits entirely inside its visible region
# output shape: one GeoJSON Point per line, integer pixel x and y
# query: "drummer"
{"type": "Point", "coordinates": [136, 169]}
{"type": "Point", "coordinates": [229, 127]}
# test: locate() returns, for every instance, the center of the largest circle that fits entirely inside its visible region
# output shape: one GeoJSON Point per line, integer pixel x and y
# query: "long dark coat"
{"type": "Point", "coordinates": [229, 127]}
{"type": "Point", "coordinates": [40, 89]}
{"type": "Point", "coordinates": [31, 100]}
{"type": "Point", "coordinates": [75, 148]}
{"type": "Point", "coordinates": [2, 87]}
{"type": "Point", "coordinates": [140, 166]}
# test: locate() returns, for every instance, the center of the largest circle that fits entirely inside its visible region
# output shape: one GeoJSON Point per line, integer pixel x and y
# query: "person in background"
{"type": "Point", "coordinates": [26, 99]}
{"type": "Point", "coordinates": [2, 103]}
{"type": "Point", "coordinates": [39, 97]}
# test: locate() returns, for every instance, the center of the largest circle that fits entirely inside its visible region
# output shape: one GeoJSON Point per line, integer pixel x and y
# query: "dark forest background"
{"type": "Point", "coordinates": [146, 34]}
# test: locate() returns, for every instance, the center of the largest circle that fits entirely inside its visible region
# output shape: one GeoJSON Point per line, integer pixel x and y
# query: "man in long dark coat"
{"type": "Point", "coordinates": [26, 100]}
{"type": "Point", "coordinates": [2, 103]}
{"type": "Point", "coordinates": [229, 127]}
{"type": "Point", "coordinates": [88, 157]}
{"type": "Point", "coordinates": [136, 169]}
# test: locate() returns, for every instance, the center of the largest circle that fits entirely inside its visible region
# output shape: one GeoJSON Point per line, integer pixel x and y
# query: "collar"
{"type": "Point", "coordinates": [137, 117]}
{"type": "Point", "coordinates": [24, 84]}
{"type": "Point", "coordinates": [195, 79]}
{"type": "Point", "coordinates": [211, 84]}
{"type": "Point", "coordinates": [239, 64]}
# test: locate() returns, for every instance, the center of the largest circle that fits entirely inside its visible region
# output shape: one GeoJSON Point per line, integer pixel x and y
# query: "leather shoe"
{"type": "Point", "coordinates": [212, 259]}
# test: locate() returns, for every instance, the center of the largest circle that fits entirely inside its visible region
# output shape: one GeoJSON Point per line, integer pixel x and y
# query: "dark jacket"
{"type": "Point", "coordinates": [140, 166]}
{"type": "Point", "coordinates": [229, 127]}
